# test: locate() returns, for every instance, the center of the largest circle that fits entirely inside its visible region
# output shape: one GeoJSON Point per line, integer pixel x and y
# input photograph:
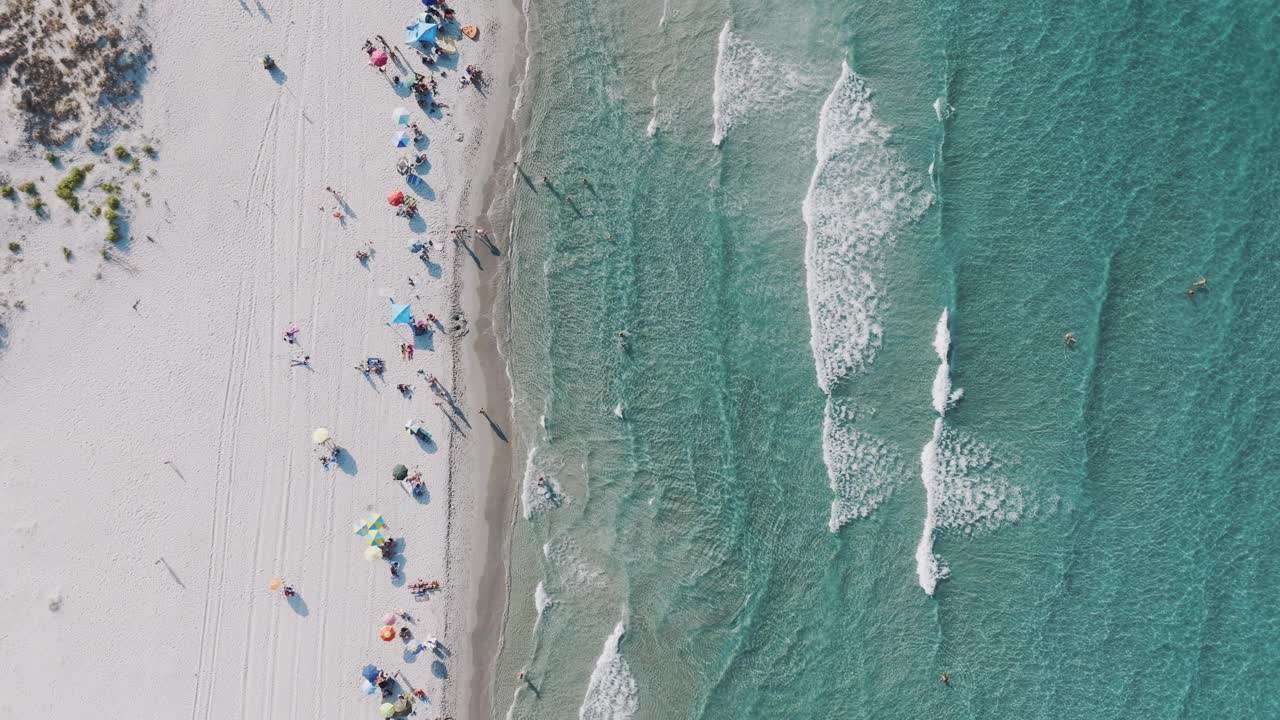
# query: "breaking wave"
{"type": "Point", "coordinates": [860, 195]}
{"type": "Point", "coordinates": [965, 490]}
{"type": "Point", "coordinates": [860, 468]}
{"type": "Point", "coordinates": [746, 81]}
{"type": "Point", "coordinates": [612, 693]}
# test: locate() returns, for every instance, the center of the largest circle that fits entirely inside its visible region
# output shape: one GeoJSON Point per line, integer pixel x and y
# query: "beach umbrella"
{"type": "Point", "coordinates": [401, 139]}
{"type": "Point", "coordinates": [400, 314]}
{"type": "Point", "coordinates": [420, 32]}
{"type": "Point", "coordinates": [376, 537]}
{"type": "Point", "coordinates": [372, 553]}
{"type": "Point", "coordinates": [375, 521]}
{"type": "Point", "coordinates": [395, 197]}
{"type": "Point", "coordinates": [389, 619]}
{"type": "Point", "coordinates": [400, 115]}
{"type": "Point", "coordinates": [379, 57]}
{"type": "Point", "coordinates": [399, 472]}
{"type": "Point", "coordinates": [275, 583]}
{"type": "Point", "coordinates": [387, 633]}
{"type": "Point", "coordinates": [320, 436]}
{"type": "Point", "coordinates": [369, 672]}
{"type": "Point", "coordinates": [387, 710]}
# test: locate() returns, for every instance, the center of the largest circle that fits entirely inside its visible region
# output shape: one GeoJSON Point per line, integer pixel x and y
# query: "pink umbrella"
{"type": "Point", "coordinates": [389, 619]}
{"type": "Point", "coordinates": [379, 58]}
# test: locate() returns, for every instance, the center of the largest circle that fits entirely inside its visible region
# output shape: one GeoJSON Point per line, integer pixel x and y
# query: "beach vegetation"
{"type": "Point", "coordinates": [121, 152]}
{"type": "Point", "coordinates": [66, 253]}
{"type": "Point", "coordinates": [7, 191]}
{"type": "Point", "coordinates": [51, 157]}
{"type": "Point", "coordinates": [95, 211]}
{"type": "Point", "coordinates": [37, 205]}
{"type": "Point", "coordinates": [148, 150]}
{"type": "Point", "coordinates": [105, 252]}
{"type": "Point", "coordinates": [136, 165]}
{"type": "Point", "coordinates": [70, 184]}
{"type": "Point", "coordinates": [29, 188]}
{"type": "Point", "coordinates": [113, 202]}
{"type": "Point", "coordinates": [107, 187]}
{"type": "Point", "coordinates": [15, 247]}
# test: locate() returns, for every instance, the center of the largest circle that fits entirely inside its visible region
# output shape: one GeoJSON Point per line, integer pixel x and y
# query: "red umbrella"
{"type": "Point", "coordinates": [395, 197]}
{"type": "Point", "coordinates": [378, 57]}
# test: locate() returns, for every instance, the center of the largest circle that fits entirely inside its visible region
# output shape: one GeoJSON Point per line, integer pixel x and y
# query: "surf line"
{"type": "Point", "coordinates": [928, 570]}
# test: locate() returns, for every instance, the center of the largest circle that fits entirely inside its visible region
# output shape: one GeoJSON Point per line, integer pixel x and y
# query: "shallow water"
{"type": "Point", "coordinates": [854, 452]}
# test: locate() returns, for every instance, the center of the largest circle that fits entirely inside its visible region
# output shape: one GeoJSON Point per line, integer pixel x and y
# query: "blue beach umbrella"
{"type": "Point", "coordinates": [400, 314]}
{"type": "Point", "coordinates": [400, 115]}
{"type": "Point", "coordinates": [401, 139]}
{"type": "Point", "coordinates": [369, 672]}
{"type": "Point", "coordinates": [420, 32]}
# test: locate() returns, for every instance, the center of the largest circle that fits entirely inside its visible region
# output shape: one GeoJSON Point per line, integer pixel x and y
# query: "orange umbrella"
{"type": "Point", "coordinates": [275, 583]}
{"type": "Point", "coordinates": [387, 633]}
{"type": "Point", "coordinates": [395, 197]}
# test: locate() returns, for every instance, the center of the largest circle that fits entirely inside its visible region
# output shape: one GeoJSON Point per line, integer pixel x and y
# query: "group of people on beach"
{"type": "Point", "coordinates": [424, 87]}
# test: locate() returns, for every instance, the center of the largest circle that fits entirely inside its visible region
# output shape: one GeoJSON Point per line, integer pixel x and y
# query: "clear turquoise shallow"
{"type": "Point", "coordinates": [1098, 160]}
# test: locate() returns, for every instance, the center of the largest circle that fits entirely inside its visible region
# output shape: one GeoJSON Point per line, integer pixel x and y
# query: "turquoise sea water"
{"type": "Point", "coordinates": [798, 513]}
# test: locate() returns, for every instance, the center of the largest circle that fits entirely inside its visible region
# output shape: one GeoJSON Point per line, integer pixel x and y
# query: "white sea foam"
{"type": "Point", "coordinates": [652, 129]}
{"type": "Point", "coordinates": [928, 569]}
{"type": "Point", "coordinates": [965, 490]}
{"type": "Point", "coordinates": [860, 195]}
{"type": "Point", "coordinates": [534, 498]}
{"type": "Point", "coordinates": [541, 600]}
{"type": "Point", "coordinates": [618, 411]}
{"type": "Point", "coordinates": [612, 693]}
{"type": "Point", "coordinates": [942, 110]}
{"type": "Point", "coordinates": [747, 82]}
{"type": "Point", "coordinates": [860, 468]}
{"type": "Point", "coordinates": [942, 378]}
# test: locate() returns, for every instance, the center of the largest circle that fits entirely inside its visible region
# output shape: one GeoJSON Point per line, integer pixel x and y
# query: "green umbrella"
{"type": "Point", "coordinates": [399, 472]}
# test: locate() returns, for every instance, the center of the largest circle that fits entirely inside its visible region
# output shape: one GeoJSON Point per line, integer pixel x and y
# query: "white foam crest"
{"type": "Point", "coordinates": [612, 693]}
{"type": "Point", "coordinates": [942, 378]}
{"type": "Point", "coordinates": [965, 490]}
{"type": "Point", "coordinates": [928, 569]}
{"type": "Point", "coordinates": [746, 81]}
{"type": "Point", "coordinates": [652, 129]}
{"type": "Point", "coordinates": [942, 110]}
{"type": "Point", "coordinates": [536, 498]}
{"type": "Point", "coordinates": [975, 494]}
{"type": "Point", "coordinates": [860, 195]}
{"type": "Point", "coordinates": [860, 468]}
{"type": "Point", "coordinates": [541, 600]}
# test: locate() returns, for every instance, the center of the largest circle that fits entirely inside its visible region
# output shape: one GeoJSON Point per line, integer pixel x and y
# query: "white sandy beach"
{"type": "Point", "coordinates": [156, 464]}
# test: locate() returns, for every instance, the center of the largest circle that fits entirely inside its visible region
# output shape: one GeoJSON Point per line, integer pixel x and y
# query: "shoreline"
{"type": "Point", "coordinates": [493, 592]}
{"type": "Point", "coordinates": [491, 460]}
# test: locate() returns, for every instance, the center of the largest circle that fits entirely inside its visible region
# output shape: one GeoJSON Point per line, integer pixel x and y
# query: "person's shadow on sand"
{"type": "Point", "coordinates": [347, 462]}
{"type": "Point", "coordinates": [299, 605]}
